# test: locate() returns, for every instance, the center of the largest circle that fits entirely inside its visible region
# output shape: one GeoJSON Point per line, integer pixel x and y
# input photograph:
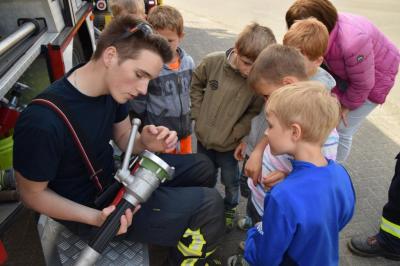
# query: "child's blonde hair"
{"type": "Point", "coordinates": [166, 17]}
{"type": "Point", "coordinates": [308, 104]}
{"type": "Point", "coordinates": [253, 39]}
{"type": "Point", "coordinates": [128, 7]}
{"type": "Point", "coordinates": [310, 36]}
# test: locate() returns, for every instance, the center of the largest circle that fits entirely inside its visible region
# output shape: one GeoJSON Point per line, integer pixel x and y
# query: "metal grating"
{"type": "Point", "coordinates": [68, 247]}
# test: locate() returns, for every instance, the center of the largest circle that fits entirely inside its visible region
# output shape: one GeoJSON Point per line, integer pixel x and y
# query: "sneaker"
{"type": "Point", "coordinates": [242, 244]}
{"type": "Point", "coordinates": [230, 218]}
{"type": "Point", "coordinates": [245, 223]}
{"type": "Point", "coordinates": [237, 260]}
{"type": "Point", "coordinates": [370, 247]}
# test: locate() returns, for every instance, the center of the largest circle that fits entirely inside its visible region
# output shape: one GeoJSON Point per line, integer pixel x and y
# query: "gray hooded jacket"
{"type": "Point", "coordinates": [167, 102]}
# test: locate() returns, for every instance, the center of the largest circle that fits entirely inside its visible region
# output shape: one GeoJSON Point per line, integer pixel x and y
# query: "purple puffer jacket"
{"type": "Point", "coordinates": [361, 55]}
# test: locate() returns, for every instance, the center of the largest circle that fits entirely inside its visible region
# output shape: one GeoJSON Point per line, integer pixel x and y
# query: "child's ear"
{"type": "Point", "coordinates": [286, 80]}
{"type": "Point", "coordinates": [182, 35]}
{"type": "Point", "coordinates": [319, 61]}
{"type": "Point", "coordinates": [296, 132]}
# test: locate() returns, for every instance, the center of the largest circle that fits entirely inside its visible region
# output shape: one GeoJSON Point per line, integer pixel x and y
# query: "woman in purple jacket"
{"type": "Point", "coordinates": [361, 59]}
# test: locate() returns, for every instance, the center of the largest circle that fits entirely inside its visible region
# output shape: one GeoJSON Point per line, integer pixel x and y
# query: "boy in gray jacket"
{"type": "Point", "coordinates": [167, 102]}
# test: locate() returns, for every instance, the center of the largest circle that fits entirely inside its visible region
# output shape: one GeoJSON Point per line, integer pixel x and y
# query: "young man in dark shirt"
{"type": "Point", "coordinates": [52, 178]}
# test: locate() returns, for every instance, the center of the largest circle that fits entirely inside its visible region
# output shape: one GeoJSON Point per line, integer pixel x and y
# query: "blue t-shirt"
{"type": "Point", "coordinates": [44, 149]}
{"type": "Point", "coordinates": [302, 218]}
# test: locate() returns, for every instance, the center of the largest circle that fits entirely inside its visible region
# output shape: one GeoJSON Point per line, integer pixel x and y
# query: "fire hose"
{"type": "Point", "coordinates": [138, 186]}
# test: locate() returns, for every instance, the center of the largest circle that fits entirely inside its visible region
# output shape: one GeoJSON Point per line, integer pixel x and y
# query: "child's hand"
{"type": "Point", "coordinates": [273, 178]}
{"type": "Point", "coordinates": [126, 219]}
{"type": "Point", "coordinates": [158, 138]}
{"type": "Point", "coordinates": [239, 151]}
{"type": "Point", "coordinates": [253, 167]}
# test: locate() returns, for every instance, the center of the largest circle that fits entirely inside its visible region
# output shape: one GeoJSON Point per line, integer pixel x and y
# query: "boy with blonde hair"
{"type": "Point", "coordinates": [128, 7]}
{"type": "Point", "coordinates": [305, 212]}
{"type": "Point", "coordinates": [223, 106]}
{"type": "Point", "coordinates": [168, 101]}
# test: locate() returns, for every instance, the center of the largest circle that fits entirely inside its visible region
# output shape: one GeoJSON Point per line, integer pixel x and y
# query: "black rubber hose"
{"type": "Point", "coordinates": [110, 227]}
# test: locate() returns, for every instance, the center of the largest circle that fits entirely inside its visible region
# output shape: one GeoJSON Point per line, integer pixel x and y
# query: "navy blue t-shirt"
{"type": "Point", "coordinates": [44, 149]}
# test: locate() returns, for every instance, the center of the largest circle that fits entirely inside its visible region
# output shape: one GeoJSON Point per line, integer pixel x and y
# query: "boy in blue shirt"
{"type": "Point", "coordinates": [305, 212]}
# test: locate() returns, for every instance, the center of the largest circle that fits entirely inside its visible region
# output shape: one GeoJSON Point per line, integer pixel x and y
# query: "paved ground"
{"type": "Point", "coordinates": [371, 162]}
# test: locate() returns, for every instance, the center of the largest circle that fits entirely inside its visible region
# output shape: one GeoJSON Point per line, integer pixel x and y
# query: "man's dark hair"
{"type": "Point", "coordinates": [128, 46]}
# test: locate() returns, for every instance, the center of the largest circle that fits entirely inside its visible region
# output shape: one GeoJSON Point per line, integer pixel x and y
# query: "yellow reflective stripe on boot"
{"type": "Point", "coordinates": [192, 261]}
{"type": "Point", "coordinates": [390, 227]}
{"type": "Point", "coordinates": [195, 247]}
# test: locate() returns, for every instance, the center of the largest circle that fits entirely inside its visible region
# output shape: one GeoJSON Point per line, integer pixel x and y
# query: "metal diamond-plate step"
{"type": "Point", "coordinates": [62, 247]}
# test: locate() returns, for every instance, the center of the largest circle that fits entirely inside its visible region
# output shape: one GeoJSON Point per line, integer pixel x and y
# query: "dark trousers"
{"type": "Point", "coordinates": [229, 173]}
{"type": "Point", "coordinates": [181, 213]}
{"type": "Point", "coordinates": [389, 234]}
{"type": "Point", "coordinates": [244, 187]}
{"type": "Point", "coordinates": [188, 219]}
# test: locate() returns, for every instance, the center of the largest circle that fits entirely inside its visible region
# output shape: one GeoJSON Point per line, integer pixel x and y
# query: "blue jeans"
{"type": "Point", "coordinates": [229, 173]}
{"type": "Point", "coordinates": [354, 119]}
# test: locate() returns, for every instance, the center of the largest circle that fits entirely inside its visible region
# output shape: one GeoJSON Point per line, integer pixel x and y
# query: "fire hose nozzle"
{"type": "Point", "coordinates": [138, 184]}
